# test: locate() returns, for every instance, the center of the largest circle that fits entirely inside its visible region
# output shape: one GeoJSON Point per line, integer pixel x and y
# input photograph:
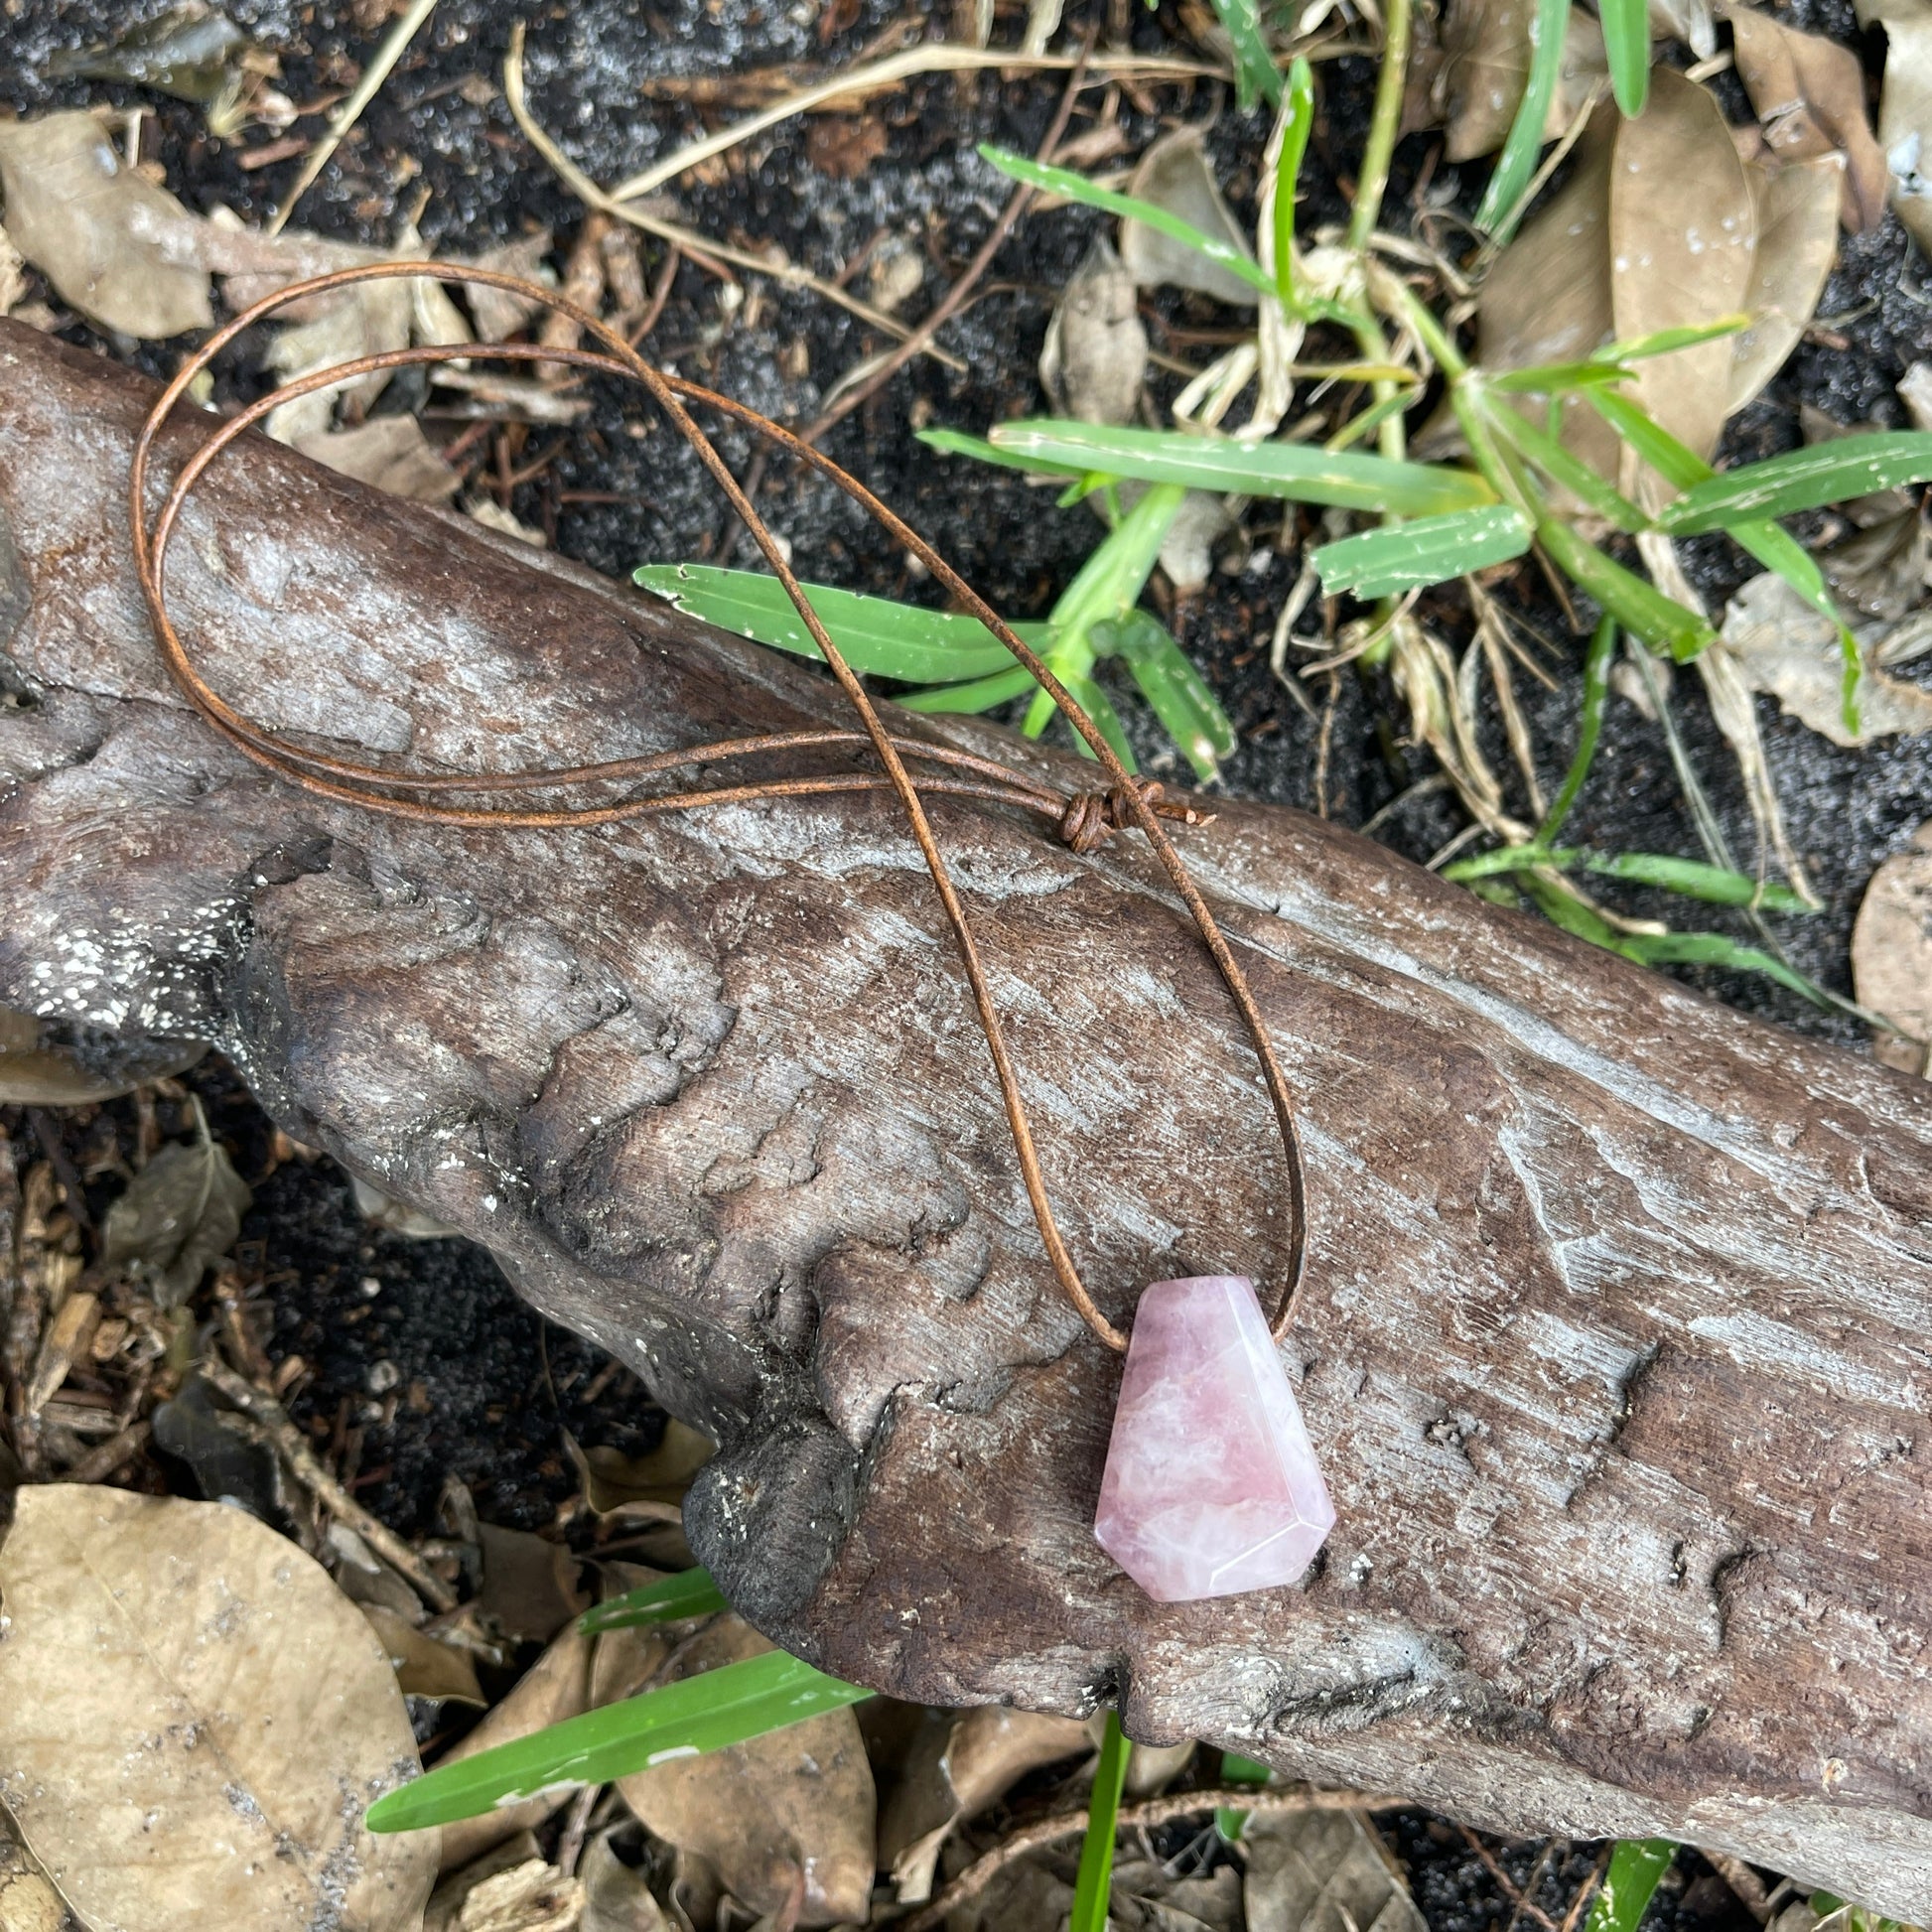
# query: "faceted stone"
{"type": "Point", "coordinates": [1212, 1483]}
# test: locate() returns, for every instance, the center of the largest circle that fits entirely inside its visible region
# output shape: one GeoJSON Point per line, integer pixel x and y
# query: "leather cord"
{"type": "Point", "coordinates": [1083, 820]}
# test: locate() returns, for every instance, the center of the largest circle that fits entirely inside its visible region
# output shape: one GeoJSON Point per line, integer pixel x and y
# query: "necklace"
{"type": "Point", "coordinates": [1212, 1483]}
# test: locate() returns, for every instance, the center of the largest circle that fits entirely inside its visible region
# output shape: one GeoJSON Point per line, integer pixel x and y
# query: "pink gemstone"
{"type": "Point", "coordinates": [1211, 1485]}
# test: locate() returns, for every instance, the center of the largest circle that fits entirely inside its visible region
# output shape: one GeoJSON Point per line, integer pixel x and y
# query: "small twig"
{"type": "Point", "coordinates": [932, 57]}
{"type": "Point", "coordinates": [570, 1847]}
{"type": "Point", "coordinates": [661, 293]}
{"type": "Point", "coordinates": [1255, 1800]}
{"type": "Point", "coordinates": [350, 111]}
{"type": "Point", "coordinates": [1587, 1889]}
{"type": "Point", "coordinates": [273, 1421]}
{"type": "Point", "coordinates": [699, 247]}
{"type": "Point", "coordinates": [1535, 1878]}
{"type": "Point", "coordinates": [1511, 1890]}
{"type": "Point", "coordinates": [105, 1458]}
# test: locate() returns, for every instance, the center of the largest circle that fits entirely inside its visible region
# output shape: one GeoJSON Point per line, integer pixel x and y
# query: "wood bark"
{"type": "Point", "coordinates": [1615, 1338]}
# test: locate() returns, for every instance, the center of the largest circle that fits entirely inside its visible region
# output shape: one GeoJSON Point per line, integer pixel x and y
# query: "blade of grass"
{"type": "Point", "coordinates": [1077, 187]}
{"type": "Point", "coordinates": [700, 1713]}
{"type": "Point", "coordinates": [1100, 708]}
{"type": "Point", "coordinates": [1288, 174]}
{"type": "Point", "coordinates": [1597, 685]}
{"type": "Point", "coordinates": [1770, 543]}
{"type": "Point", "coordinates": [1095, 1881]}
{"type": "Point", "coordinates": [1255, 71]}
{"type": "Point", "coordinates": [1236, 1769]}
{"type": "Point", "coordinates": [1626, 40]}
{"type": "Point", "coordinates": [1379, 563]}
{"type": "Point", "coordinates": [1175, 692]}
{"type": "Point", "coordinates": [982, 694]}
{"type": "Point", "coordinates": [1659, 621]}
{"type": "Point", "coordinates": [1517, 162]}
{"type": "Point", "coordinates": [1373, 417]}
{"type": "Point", "coordinates": [1347, 479]}
{"type": "Point", "coordinates": [1716, 949]}
{"type": "Point", "coordinates": [1714, 885]}
{"type": "Point", "coordinates": [885, 638]}
{"type": "Point", "coordinates": [1569, 471]}
{"type": "Point", "coordinates": [691, 1593]}
{"type": "Point", "coordinates": [1629, 1884]}
{"type": "Point", "coordinates": [1802, 480]}
{"type": "Point", "coordinates": [956, 442]}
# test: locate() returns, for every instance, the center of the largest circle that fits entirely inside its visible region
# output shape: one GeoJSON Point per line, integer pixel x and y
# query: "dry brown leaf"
{"type": "Point", "coordinates": [1915, 392]}
{"type": "Point", "coordinates": [1094, 360]}
{"type": "Point", "coordinates": [1883, 570]}
{"type": "Point", "coordinates": [444, 1909]}
{"type": "Point", "coordinates": [1787, 650]}
{"type": "Point", "coordinates": [557, 1686]}
{"type": "Point", "coordinates": [1148, 1897]}
{"type": "Point", "coordinates": [1892, 953]}
{"type": "Point", "coordinates": [959, 1762]}
{"type": "Point", "coordinates": [644, 1485]}
{"type": "Point", "coordinates": [1905, 108]}
{"type": "Point", "coordinates": [13, 275]}
{"type": "Point", "coordinates": [531, 1586]}
{"type": "Point", "coordinates": [1796, 208]}
{"type": "Point", "coordinates": [530, 1898]}
{"type": "Point", "coordinates": [1485, 66]}
{"type": "Point", "coordinates": [177, 1217]}
{"type": "Point", "coordinates": [1175, 174]}
{"type": "Point", "coordinates": [193, 1719]}
{"type": "Point", "coordinates": [389, 452]}
{"type": "Point", "coordinates": [498, 315]}
{"type": "Point", "coordinates": [616, 1897]}
{"type": "Point", "coordinates": [1807, 93]}
{"type": "Point", "coordinates": [1324, 1872]}
{"type": "Point", "coordinates": [38, 1071]}
{"type": "Point", "coordinates": [424, 1668]}
{"type": "Point", "coordinates": [116, 246]}
{"type": "Point", "coordinates": [797, 1800]}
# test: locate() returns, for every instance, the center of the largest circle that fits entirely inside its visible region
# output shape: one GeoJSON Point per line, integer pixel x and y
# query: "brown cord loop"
{"type": "Point", "coordinates": [1084, 821]}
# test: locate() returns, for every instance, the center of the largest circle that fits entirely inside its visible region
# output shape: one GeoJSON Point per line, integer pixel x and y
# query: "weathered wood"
{"type": "Point", "coordinates": [1615, 1337]}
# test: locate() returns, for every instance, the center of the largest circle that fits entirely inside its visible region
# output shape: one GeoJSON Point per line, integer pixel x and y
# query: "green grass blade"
{"type": "Point", "coordinates": [1716, 949]}
{"type": "Point", "coordinates": [691, 1593]}
{"type": "Point", "coordinates": [1659, 621]}
{"type": "Point", "coordinates": [1626, 40]}
{"type": "Point", "coordinates": [1347, 479]}
{"type": "Point", "coordinates": [1255, 71]}
{"type": "Point", "coordinates": [1517, 162]}
{"type": "Point", "coordinates": [707, 1712]}
{"type": "Point", "coordinates": [1803, 479]}
{"type": "Point", "coordinates": [1569, 471]}
{"type": "Point", "coordinates": [1077, 187]}
{"type": "Point", "coordinates": [1666, 341]}
{"type": "Point", "coordinates": [1095, 1881]}
{"type": "Point", "coordinates": [1373, 417]}
{"type": "Point", "coordinates": [1571, 914]}
{"type": "Point", "coordinates": [1176, 691]}
{"type": "Point", "coordinates": [1511, 857]}
{"type": "Point", "coordinates": [956, 442]}
{"type": "Point", "coordinates": [1288, 174]}
{"type": "Point", "coordinates": [1635, 1867]}
{"type": "Point", "coordinates": [1236, 1769]}
{"type": "Point", "coordinates": [1379, 563]}
{"type": "Point", "coordinates": [1091, 699]}
{"type": "Point", "coordinates": [1555, 379]}
{"type": "Point", "coordinates": [981, 694]}
{"type": "Point", "coordinates": [1770, 543]}
{"type": "Point", "coordinates": [1715, 885]}
{"type": "Point", "coordinates": [1596, 686]}
{"type": "Point", "coordinates": [872, 632]}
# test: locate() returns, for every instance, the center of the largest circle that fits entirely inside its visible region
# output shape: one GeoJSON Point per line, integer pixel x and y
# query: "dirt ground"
{"type": "Point", "coordinates": [473, 1383]}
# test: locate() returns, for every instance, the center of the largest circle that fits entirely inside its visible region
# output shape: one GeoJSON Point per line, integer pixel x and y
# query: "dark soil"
{"type": "Point", "coordinates": [482, 1388]}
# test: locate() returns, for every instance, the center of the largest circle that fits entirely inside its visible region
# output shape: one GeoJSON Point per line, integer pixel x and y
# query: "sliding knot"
{"type": "Point", "coordinates": [1092, 817]}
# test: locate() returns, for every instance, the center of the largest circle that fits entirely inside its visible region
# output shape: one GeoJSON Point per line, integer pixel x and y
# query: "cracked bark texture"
{"type": "Point", "coordinates": [1614, 1343]}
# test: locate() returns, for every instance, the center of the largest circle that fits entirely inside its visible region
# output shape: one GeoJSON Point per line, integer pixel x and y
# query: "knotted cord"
{"type": "Point", "coordinates": [1083, 821]}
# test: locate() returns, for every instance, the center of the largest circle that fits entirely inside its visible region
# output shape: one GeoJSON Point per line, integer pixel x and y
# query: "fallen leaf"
{"type": "Point", "coordinates": [1175, 174]}
{"type": "Point", "coordinates": [1795, 206]}
{"type": "Point", "coordinates": [1149, 1897]}
{"type": "Point", "coordinates": [116, 246]}
{"type": "Point", "coordinates": [647, 1485]}
{"type": "Point", "coordinates": [1892, 953]}
{"type": "Point", "coordinates": [397, 1216]}
{"type": "Point", "coordinates": [1485, 66]}
{"type": "Point", "coordinates": [226, 1466]}
{"type": "Point", "coordinates": [1324, 1872]}
{"type": "Point", "coordinates": [1094, 360]}
{"type": "Point", "coordinates": [531, 1585]}
{"type": "Point", "coordinates": [28, 1903]}
{"type": "Point", "coordinates": [498, 314]}
{"type": "Point", "coordinates": [37, 1070]}
{"type": "Point", "coordinates": [1881, 570]}
{"type": "Point", "coordinates": [616, 1896]}
{"type": "Point", "coordinates": [365, 1579]}
{"type": "Point", "coordinates": [797, 1800]}
{"type": "Point", "coordinates": [390, 452]}
{"type": "Point", "coordinates": [177, 1217]}
{"type": "Point", "coordinates": [844, 146]}
{"type": "Point", "coordinates": [424, 1668]}
{"type": "Point", "coordinates": [1915, 392]}
{"type": "Point", "coordinates": [1789, 651]}
{"type": "Point", "coordinates": [488, 512]}
{"type": "Point", "coordinates": [958, 1763]}
{"type": "Point", "coordinates": [13, 275]}
{"type": "Point", "coordinates": [1689, 21]}
{"type": "Point", "coordinates": [193, 1720]}
{"type": "Point", "coordinates": [1807, 93]}
{"type": "Point", "coordinates": [897, 275]}
{"type": "Point", "coordinates": [444, 1912]}
{"type": "Point", "coordinates": [1905, 108]}
{"type": "Point", "coordinates": [557, 1686]}
{"type": "Point", "coordinates": [194, 53]}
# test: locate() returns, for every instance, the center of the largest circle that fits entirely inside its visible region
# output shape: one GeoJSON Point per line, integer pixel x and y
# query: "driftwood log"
{"type": "Point", "coordinates": [1615, 1344]}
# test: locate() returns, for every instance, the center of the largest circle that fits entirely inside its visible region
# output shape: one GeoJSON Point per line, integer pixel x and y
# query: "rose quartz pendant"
{"type": "Point", "coordinates": [1211, 1485]}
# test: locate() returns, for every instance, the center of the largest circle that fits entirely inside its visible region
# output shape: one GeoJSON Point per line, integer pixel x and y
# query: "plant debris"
{"type": "Point", "coordinates": [1891, 954]}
